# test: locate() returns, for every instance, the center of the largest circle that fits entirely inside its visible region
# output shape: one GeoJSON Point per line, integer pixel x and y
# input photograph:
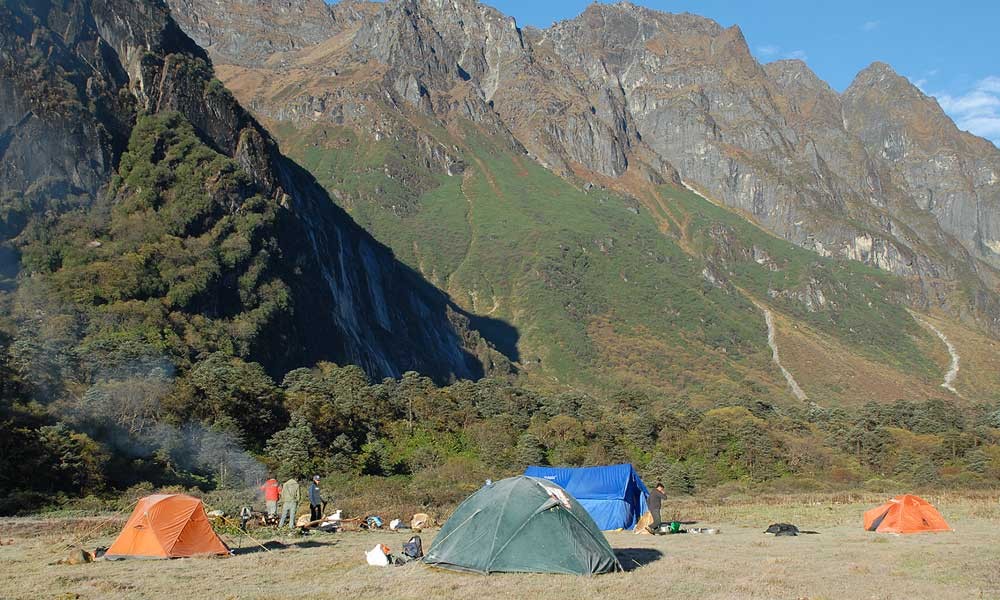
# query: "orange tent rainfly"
{"type": "Point", "coordinates": [905, 514]}
{"type": "Point", "coordinates": [167, 526]}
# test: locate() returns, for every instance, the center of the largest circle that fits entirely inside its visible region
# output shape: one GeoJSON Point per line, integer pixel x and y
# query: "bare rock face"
{"type": "Point", "coordinates": [249, 32]}
{"type": "Point", "coordinates": [952, 175]}
{"type": "Point", "coordinates": [53, 84]}
{"type": "Point", "coordinates": [833, 174]}
{"type": "Point", "coordinates": [700, 100]}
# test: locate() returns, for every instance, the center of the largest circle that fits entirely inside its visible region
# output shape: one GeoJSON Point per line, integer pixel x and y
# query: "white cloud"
{"type": "Point", "coordinates": [770, 51]}
{"type": "Point", "coordinates": [974, 103]}
{"type": "Point", "coordinates": [990, 84]}
{"type": "Point", "coordinates": [977, 110]}
{"type": "Point", "coordinates": [870, 25]}
{"type": "Point", "coordinates": [922, 81]}
{"type": "Point", "coordinates": [987, 127]}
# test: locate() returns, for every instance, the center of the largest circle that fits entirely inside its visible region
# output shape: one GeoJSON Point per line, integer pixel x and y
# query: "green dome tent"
{"type": "Point", "coordinates": [522, 525]}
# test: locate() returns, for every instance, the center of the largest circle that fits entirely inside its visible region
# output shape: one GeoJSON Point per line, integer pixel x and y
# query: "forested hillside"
{"type": "Point", "coordinates": [162, 260]}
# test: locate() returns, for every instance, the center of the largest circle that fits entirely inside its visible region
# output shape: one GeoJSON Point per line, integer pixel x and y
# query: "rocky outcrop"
{"type": "Point", "coordinates": [70, 100]}
{"type": "Point", "coordinates": [248, 32]}
{"type": "Point", "coordinates": [953, 175]}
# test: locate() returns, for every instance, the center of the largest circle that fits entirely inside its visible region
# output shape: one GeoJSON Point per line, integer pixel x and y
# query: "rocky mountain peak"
{"type": "Point", "coordinates": [950, 173]}
{"type": "Point", "coordinates": [602, 15]}
{"type": "Point", "coordinates": [447, 38]}
{"type": "Point", "coordinates": [794, 72]}
{"type": "Point", "coordinates": [880, 100]}
{"type": "Point", "coordinates": [802, 95]}
{"type": "Point", "coordinates": [882, 78]}
{"type": "Point", "coordinates": [624, 34]}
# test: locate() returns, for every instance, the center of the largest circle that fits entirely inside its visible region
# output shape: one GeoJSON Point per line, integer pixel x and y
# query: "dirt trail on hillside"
{"type": "Point", "coordinates": [949, 377]}
{"type": "Point", "coordinates": [792, 384]}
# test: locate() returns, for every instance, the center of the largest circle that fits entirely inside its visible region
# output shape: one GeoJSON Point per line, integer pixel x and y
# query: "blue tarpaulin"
{"type": "Point", "coordinates": [614, 495]}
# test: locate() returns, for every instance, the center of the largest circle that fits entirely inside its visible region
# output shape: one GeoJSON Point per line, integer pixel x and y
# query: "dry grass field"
{"type": "Point", "coordinates": [741, 562]}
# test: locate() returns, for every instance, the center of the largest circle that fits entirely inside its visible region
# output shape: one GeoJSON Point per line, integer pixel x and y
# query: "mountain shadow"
{"type": "Point", "coordinates": [414, 326]}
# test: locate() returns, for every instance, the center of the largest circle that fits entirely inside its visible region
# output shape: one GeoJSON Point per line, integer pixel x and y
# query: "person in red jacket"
{"type": "Point", "coordinates": [272, 490]}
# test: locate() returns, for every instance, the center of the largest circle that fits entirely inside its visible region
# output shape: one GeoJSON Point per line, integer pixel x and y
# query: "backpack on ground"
{"type": "Point", "coordinates": [785, 529]}
{"type": "Point", "coordinates": [414, 548]}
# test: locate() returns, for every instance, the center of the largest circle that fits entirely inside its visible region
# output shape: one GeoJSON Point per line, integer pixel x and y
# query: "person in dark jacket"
{"type": "Point", "coordinates": [654, 502]}
{"type": "Point", "coordinates": [315, 500]}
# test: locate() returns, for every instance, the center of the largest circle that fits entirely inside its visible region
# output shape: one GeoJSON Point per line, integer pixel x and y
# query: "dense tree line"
{"type": "Point", "coordinates": [222, 422]}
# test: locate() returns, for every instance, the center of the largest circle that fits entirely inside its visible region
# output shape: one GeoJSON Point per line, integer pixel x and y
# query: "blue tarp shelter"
{"type": "Point", "coordinates": [614, 495]}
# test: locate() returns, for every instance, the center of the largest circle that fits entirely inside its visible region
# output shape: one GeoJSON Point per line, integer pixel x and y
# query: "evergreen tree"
{"type": "Point", "coordinates": [292, 449]}
{"type": "Point", "coordinates": [529, 451]}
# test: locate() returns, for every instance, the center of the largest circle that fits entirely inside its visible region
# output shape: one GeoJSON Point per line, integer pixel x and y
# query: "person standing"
{"type": "Point", "coordinates": [655, 502]}
{"type": "Point", "coordinates": [289, 502]}
{"type": "Point", "coordinates": [271, 490]}
{"type": "Point", "coordinates": [315, 500]}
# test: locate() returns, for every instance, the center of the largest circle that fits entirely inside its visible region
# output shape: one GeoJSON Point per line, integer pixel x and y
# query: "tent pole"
{"type": "Point", "coordinates": [77, 540]}
{"type": "Point", "coordinates": [252, 539]}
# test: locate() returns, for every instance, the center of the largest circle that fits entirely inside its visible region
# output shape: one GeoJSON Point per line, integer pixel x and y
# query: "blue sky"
{"type": "Point", "coordinates": [950, 49]}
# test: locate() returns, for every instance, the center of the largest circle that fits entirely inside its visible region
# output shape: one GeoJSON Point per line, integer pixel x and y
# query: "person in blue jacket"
{"type": "Point", "coordinates": [315, 500]}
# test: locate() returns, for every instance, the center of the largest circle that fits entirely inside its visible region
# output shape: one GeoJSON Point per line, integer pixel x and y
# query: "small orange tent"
{"type": "Point", "coordinates": [905, 514]}
{"type": "Point", "coordinates": [167, 526]}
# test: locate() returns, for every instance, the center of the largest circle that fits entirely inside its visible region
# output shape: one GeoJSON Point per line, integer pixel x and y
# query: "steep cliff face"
{"type": "Point", "coordinates": [624, 90]}
{"type": "Point", "coordinates": [703, 103]}
{"type": "Point", "coordinates": [952, 175]}
{"type": "Point", "coordinates": [77, 77]}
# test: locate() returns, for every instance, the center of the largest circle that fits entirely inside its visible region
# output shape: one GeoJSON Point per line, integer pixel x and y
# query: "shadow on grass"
{"type": "Point", "coordinates": [274, 545]}
{"type": "Point", "coordinates": [633, 558]}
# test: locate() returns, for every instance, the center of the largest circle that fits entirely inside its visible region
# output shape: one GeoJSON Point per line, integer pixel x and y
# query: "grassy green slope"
{"type": "Point", "coordinates": [859, 309]}
{"type": "Point", "coordinates": [600, 296]}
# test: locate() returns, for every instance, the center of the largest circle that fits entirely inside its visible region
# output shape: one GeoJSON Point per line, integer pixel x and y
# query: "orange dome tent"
{"type": "Point", "coordinates": [167, 526]}
{"type": "Point", "coordinates": [905, 514]}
